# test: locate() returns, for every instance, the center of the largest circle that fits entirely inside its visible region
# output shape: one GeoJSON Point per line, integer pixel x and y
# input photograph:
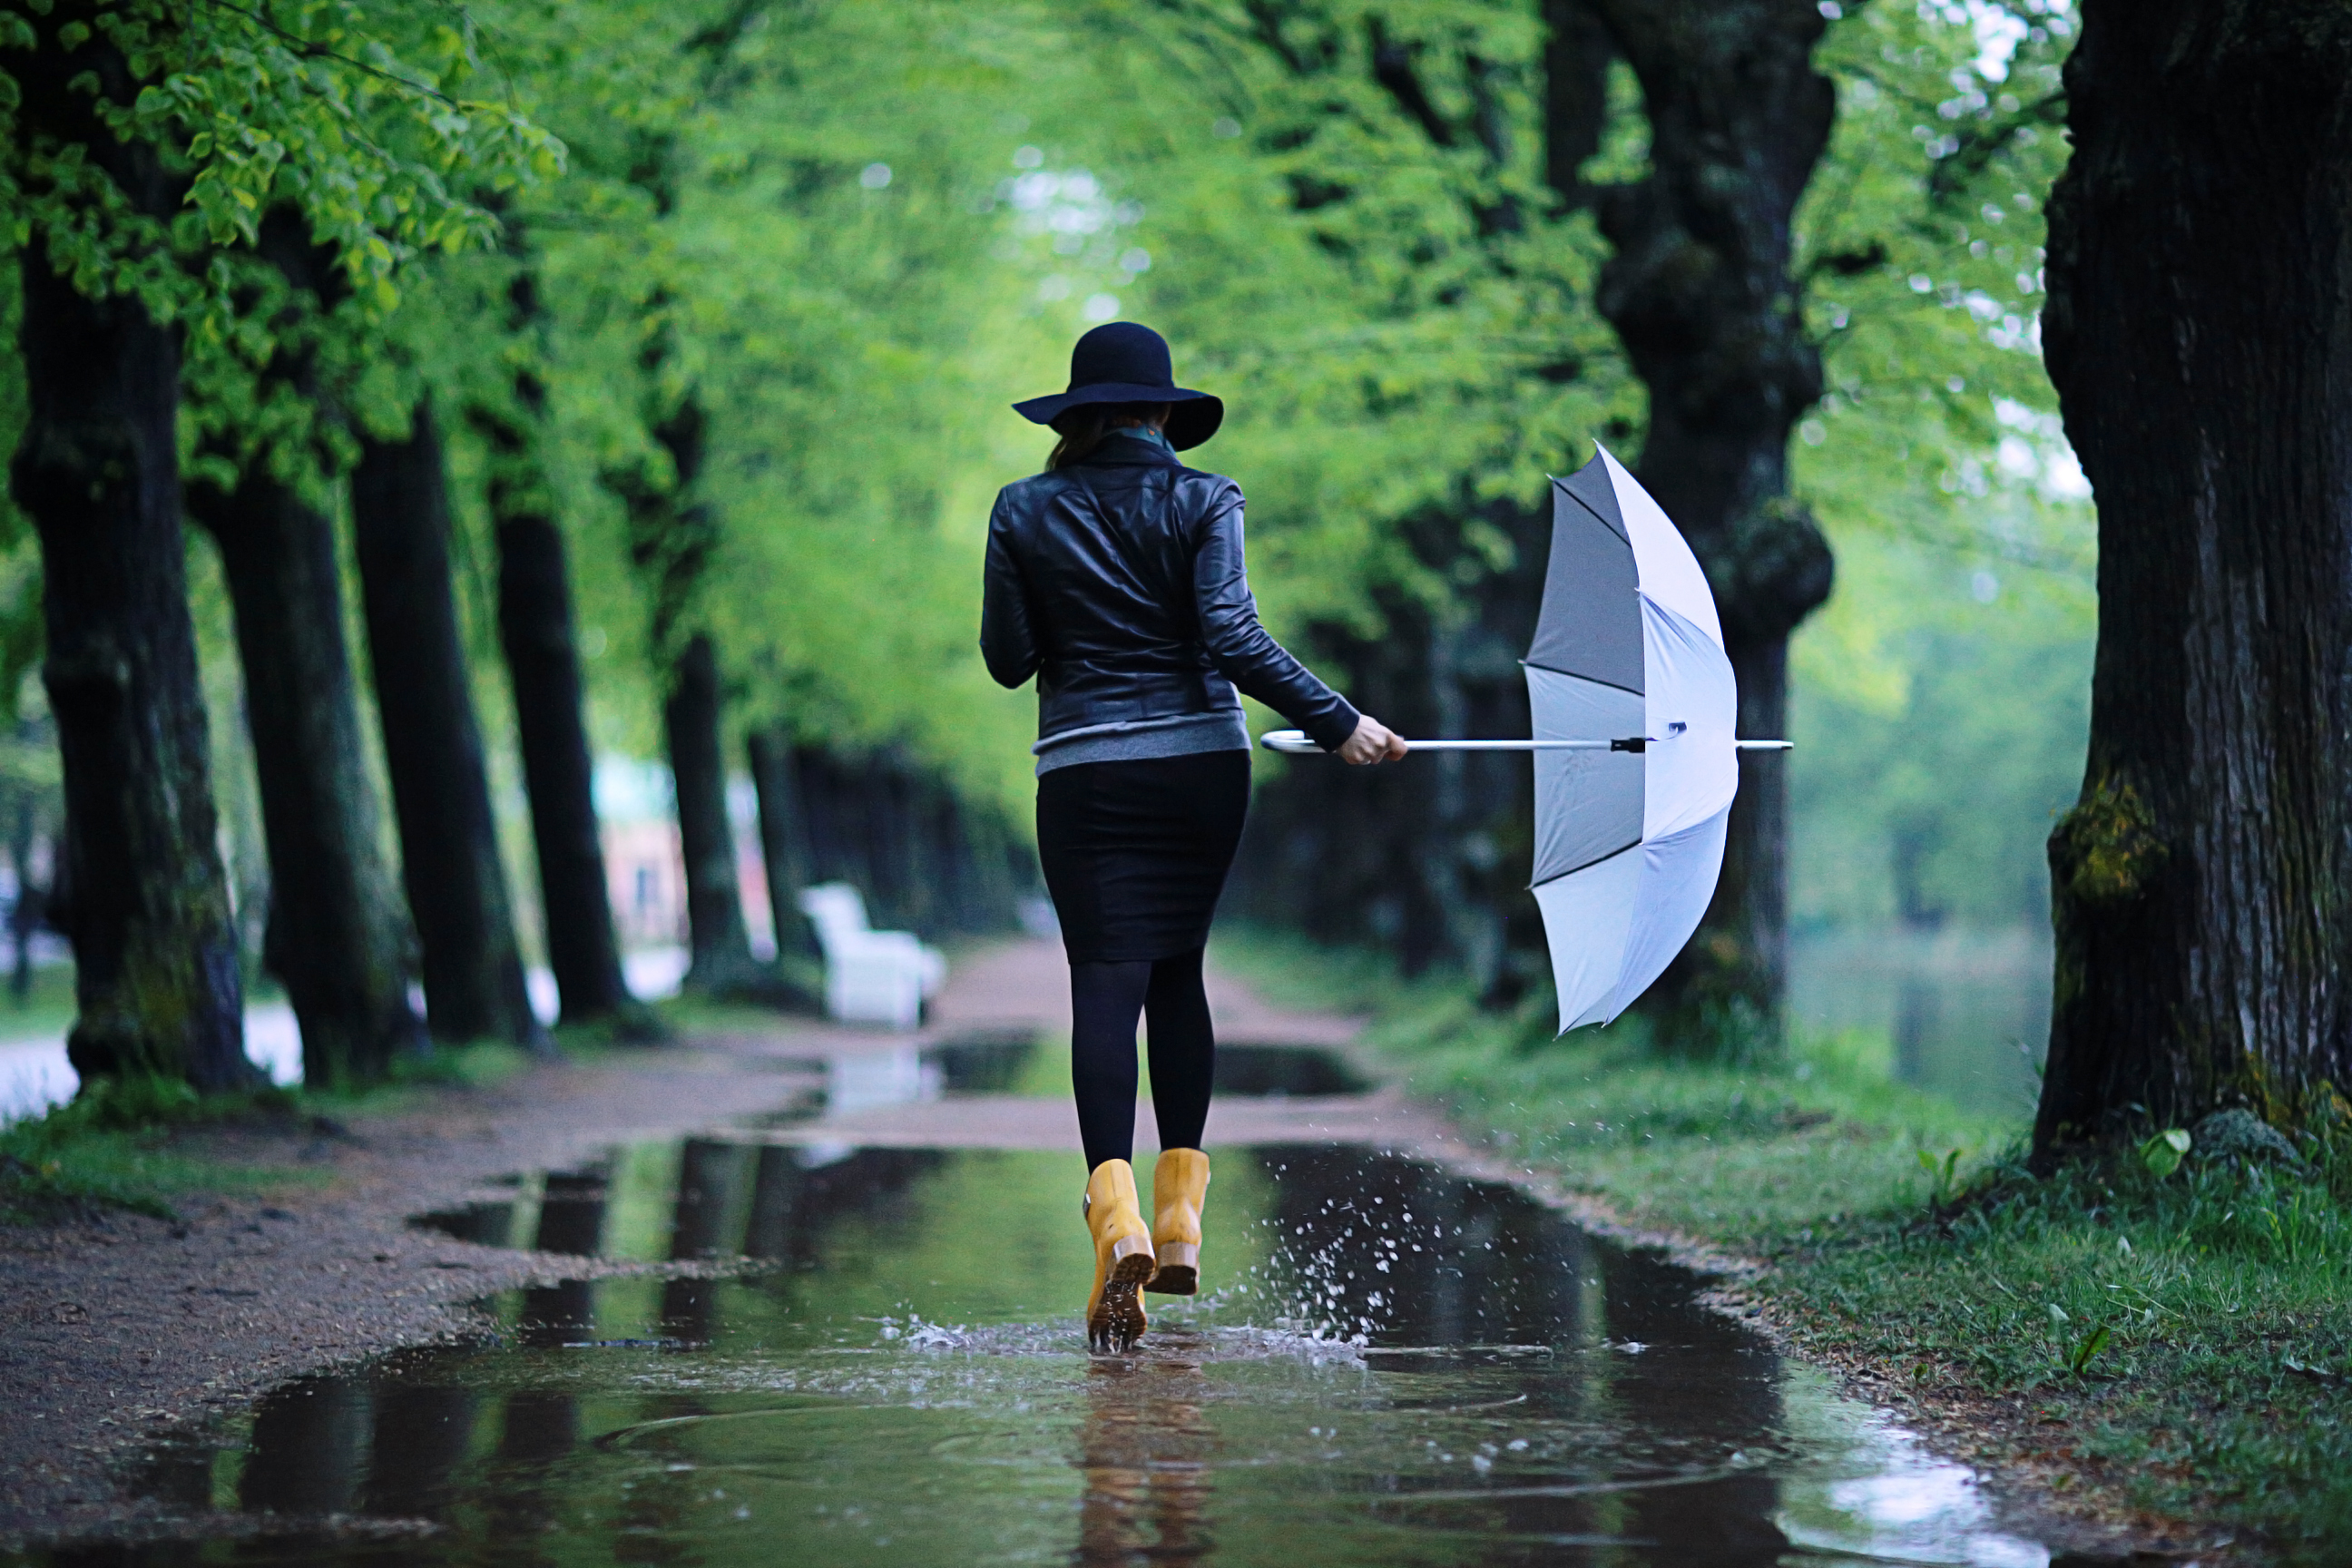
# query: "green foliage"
{"type": "Point", "coordinates": [1941, 697]}
{"type": "Point", "coordinates": [848, 236]}
{"type": "Point", "coordinates": [351, 114]}
{"type": "Point", "coordinates": [1938, 735]}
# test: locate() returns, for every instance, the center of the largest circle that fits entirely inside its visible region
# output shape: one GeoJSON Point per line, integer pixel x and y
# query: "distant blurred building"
{"type": "Point", "coordinates": [644, 867]}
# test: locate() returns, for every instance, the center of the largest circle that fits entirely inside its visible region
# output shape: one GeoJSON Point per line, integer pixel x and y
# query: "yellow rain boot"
{"type": "Point", "coordinates": [1179, 1183]}
{"type": "Point", "coordinates": [1123, 1259]}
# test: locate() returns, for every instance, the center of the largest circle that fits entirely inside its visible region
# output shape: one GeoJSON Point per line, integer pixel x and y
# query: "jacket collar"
{"type": "Point", "coordinates": [1125, 451]}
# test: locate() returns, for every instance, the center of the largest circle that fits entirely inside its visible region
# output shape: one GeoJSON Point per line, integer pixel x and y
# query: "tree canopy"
{"type": "Point", "coordinates": [831, 243]}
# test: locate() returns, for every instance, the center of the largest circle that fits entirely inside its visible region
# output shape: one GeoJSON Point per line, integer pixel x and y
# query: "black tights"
{"type": "Point", "coordinates": [1103, 1001]}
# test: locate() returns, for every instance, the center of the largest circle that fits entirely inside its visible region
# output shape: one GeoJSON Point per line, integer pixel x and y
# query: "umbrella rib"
{"type": "Point", "coordinates": [1588, 866]}
{"type": "Point", "coordinates": [1615, 532]}
{"type": "Point", "coordinates": [1578, 674]}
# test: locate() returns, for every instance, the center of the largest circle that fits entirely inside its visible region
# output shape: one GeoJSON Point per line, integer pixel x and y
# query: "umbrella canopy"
{"type": "Point", "coordinates": [1636, 759]}
{"type": "Point", "coordinates": [1629, 841]}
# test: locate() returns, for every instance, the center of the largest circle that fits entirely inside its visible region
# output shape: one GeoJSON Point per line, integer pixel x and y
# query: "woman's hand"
{"type": "Point", "coordinates": [1373, 741]}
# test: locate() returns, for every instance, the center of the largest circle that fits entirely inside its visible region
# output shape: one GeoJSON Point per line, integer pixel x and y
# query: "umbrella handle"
{"type": "Point", "coordinates": [1294, 742]}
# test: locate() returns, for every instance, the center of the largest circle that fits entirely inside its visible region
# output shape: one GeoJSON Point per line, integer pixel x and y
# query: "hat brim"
{"type": "Point", "coordinates": [1193, 418]}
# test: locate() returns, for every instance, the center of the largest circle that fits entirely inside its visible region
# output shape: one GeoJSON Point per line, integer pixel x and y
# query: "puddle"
{"type": "Point", "coordinates": [724, 1194]}
{"type": "Point", "coordinates": [990, 1062]}
{"type": "Point", "coordinates": [1392, 1365]}
{"type": "Point", "coordinates": [1281, 1070]}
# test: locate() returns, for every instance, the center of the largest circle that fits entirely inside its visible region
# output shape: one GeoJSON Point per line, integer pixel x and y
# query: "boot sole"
{"type": "Point", "coordinates": [1180, 1270]}
{"type": "Point", "coordinates": [1118, 1321]}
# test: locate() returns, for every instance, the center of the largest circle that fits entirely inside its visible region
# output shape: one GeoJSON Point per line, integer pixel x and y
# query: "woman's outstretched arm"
{"type": "Point", "coordinates": [1244, 651]}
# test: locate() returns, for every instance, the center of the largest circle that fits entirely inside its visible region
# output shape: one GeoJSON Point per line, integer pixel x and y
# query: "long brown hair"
{"type": "Point", "coordinates": [1082, 429]}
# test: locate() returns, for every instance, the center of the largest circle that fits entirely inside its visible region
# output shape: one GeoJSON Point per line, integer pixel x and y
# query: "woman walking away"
{"type": "Point", "coordinates": [1115, 577]}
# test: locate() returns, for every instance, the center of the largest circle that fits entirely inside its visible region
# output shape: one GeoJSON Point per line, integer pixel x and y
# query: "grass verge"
{"type": "Point", "coordinates": [121, 1144]}
{"type": "Point", "coordinates": [2175, 1338]}
{"type": "Point", "coordinates": [135, 1143]}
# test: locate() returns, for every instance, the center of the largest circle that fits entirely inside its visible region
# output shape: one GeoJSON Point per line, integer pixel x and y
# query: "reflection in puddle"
{"type": "Point", "coordinates": [984, 1062]}
{"type": "Point", "coordinates": [1391, 1365]}
{"type": "Point", "coordinates": [725, 1195]}
{"type": "Point", "coordinates": [1305, 1070]}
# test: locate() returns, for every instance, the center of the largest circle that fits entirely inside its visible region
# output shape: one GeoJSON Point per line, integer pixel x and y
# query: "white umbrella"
{"type": "Point", "coordinates": [1636, 757]}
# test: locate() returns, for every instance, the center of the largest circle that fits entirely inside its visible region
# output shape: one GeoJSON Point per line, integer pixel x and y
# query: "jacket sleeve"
{"type": "Point", "coordinates": [1241, 648]}
{"type": "Point", "coordinates": [1007, 641]}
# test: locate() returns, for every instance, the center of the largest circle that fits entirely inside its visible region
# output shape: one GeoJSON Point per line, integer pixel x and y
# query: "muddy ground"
{"type": "Point", "coordinates": [122, 1329]}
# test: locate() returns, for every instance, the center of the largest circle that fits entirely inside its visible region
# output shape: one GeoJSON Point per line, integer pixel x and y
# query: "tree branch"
{"type": "Point", "coordinates": [317, 51]}
{"type": "Point", "coordinates": [1393, 69]}
{"type": "Point", "coordinates": [1978, 149]}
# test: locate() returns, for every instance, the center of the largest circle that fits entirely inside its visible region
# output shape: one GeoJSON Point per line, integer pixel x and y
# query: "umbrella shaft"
{"type": "Point", "coordinates": [1569, 745]}
{"type": "Point", "coordinates": [1509, 745]}
{"type": "Point", "coordinates": [1296, 740]}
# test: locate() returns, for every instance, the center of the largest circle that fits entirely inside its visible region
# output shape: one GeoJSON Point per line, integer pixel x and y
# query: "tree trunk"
{"type": "Point", "coordinates": [338, 935]}
{"type": "Point", "coordinates": [1700, 294]}
{"type": "Point", "coordinates": [25, 916]}
{"type": "Point", "coordinates": [338, 938]}
{"type": "Point", "coordinates": [769, 751]}
{"type": "Point", "coordinates": [543, 661]}
{"type": "Point", "coordinates": [2199, 332]}
{"type": "Point", "coordinates": [535, 628]}
{"type": "Point", "coordinates": [671, 538]}
{"type": "Point", "coordinates": [1576, 58]}
{"type": "Point", "coordinates": [433, 745]}
{"type": "Point", "coordinates": [98, 472]}
{"type": "Point", "coordinates": [721, 943]}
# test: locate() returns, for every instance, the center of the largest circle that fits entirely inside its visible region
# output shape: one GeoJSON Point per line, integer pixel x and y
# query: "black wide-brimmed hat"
{"type": "Point", "coordinates": [1122, 362]}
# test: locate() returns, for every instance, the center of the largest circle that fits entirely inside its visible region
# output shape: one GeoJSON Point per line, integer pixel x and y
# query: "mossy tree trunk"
{"type": "Point", "coordinates": [450, 865]}
{"type": "Point", "coordinates": [98, 472]}
{"type": "Point", "coordinates": [337, 937]}
{"type": "Point", "coordinates": [1699, 291]}
{"type": "Point", "coordinates": [2199, 332]}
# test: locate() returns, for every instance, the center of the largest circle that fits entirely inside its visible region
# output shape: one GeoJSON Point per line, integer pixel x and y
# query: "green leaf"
{"type": "Point", "coordinates": [2162, 1153]}
{"type": "Point", "coordinates": [2079, 1359]}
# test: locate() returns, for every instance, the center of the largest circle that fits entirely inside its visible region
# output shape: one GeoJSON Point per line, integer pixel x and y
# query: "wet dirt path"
{"type": "Point", "coordinates": [817, 1290]}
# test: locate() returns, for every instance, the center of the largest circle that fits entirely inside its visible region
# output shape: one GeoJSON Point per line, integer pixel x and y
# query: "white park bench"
{"type": "Point", "coordinates": [870, 977]}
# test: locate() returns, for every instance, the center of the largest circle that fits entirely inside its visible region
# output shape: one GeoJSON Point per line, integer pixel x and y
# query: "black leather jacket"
{"type": "Point", "coordinates": [1118, 583]}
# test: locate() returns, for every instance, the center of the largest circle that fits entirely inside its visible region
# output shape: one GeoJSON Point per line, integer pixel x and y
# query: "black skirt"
{"type": "Point", "coordinates": [1136, 852]}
